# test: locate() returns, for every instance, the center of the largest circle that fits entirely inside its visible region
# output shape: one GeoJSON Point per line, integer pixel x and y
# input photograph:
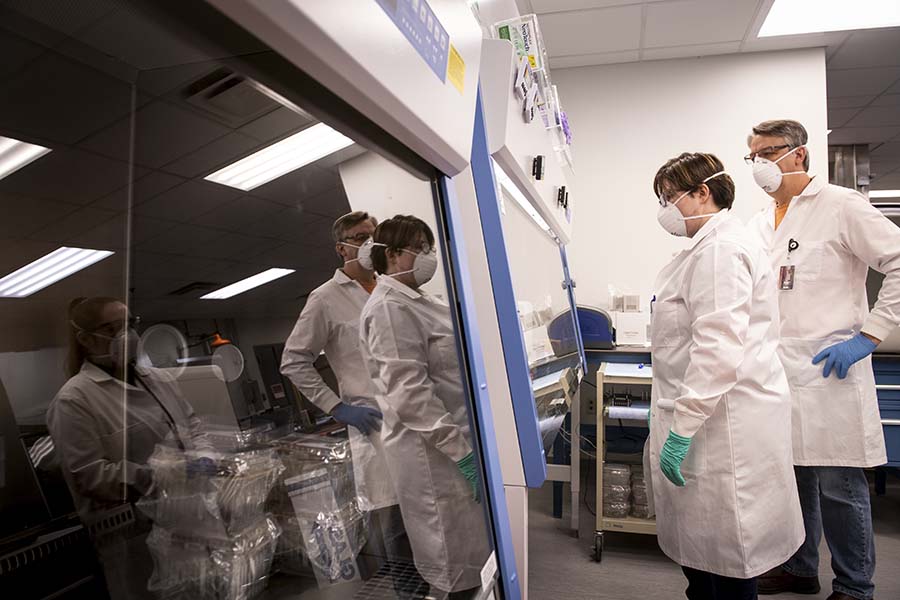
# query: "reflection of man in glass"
{"type": "Point", "coordinates": [409, 344]}
{"type": "Point", "coordinates": [329, 322]}
{"type": "Point", "coordinates": [105, 423]}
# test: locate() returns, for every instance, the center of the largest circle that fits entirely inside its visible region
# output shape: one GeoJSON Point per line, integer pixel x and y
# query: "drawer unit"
{"type": "Point", "coordinates": [887, 384]}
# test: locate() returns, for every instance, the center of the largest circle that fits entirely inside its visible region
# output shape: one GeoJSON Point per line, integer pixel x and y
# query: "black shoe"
{"type": "Point", "coordinates": [778, 581]}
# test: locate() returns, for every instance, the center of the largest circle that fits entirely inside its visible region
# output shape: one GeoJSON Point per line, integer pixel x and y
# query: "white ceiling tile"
{"type": "Point", "coordinates": [23, 216]}
{"type": "Point", "coordinates": [592, 31]}
{"type": "Point", "coordinates": [550, 6]}
{"type": "Point", "coordinates": [695, 22]}
{"type": "Point", "coordinates": [238, 214]}
{"type": "Point", "coordinates": [62, 230]}
{"type": "Point", "coordinates": [871, 48]}
{"type": "Point", "coordinates": [858, 82]}
{"type": "Point", "coordinates": [849, 101]}
{"type": "Point", "coordinates": [862, 135]}
{"type": "Point", "coordinates": [838, 117]}
{"type": "Point", "coordinates": [691, 51]}
{"type": "Point", "coordinates": [887, 100]}
{"type": "Point", "coordinates": [604, 58]}
{"type": "Point", "coordinates": [876, 116]}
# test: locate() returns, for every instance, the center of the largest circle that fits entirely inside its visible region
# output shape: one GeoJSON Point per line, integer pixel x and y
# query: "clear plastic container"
{"type": "Point", "coordinates": [616, 493]}
{"type": "Point", "coordinates": [616, 510]}
{"type": "Point", "coordinates": [616, 474]}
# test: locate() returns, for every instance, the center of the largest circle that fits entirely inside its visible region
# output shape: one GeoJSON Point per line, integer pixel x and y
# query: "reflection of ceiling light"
{"type": "Point", "coordinates": [516, 194]}
{"type": "Point", "coordinates": [15, 154]}
{"type": "Point", "coordinates": [282, 157]}
{"type": "Point", "coordinates": [793, 17]}
{"type": "Point", "coordinates": [884, 193]}
{"type": "Point", "coordinates": [243, 285]}
{"type": "Point", "coordinates": [47, 270]}
{"type": "Point", "coordinates": [828, 132]}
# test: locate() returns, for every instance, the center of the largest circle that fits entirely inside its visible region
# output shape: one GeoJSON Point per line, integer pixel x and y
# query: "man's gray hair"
{"type": "Point", "coordinates": [792, 131]}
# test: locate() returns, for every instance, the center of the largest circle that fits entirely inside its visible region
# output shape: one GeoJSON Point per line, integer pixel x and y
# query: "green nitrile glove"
{"type": "Point", "coordinates": [469, 470]}
{"type": "Point", "coordinates": [672, 455]}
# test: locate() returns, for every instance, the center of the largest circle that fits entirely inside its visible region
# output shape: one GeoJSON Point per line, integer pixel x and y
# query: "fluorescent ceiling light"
{"type": "Point", "coordinates": [48, 269]}
{"type": "Point", "coordinates": [243, 285]}
{"type": "Point", "coordinates": [793, 17]}
{"type": "Point", "coordinates": [15, 154]}
{"type": "Point", "coordinates": [516, 194]}
{"type": "Point", "coordinates": [884, 193]}
{"type": "Point", "coordinates": [282, 157]}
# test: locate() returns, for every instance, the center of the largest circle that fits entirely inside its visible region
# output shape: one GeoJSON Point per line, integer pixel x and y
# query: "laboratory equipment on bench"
{"type": "Point", "coordinates": [596, 331]}
{"type": "Point", "coordinates": [619, 488]}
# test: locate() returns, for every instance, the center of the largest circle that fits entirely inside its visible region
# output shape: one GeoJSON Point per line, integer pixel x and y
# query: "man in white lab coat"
{"type": "Point", "coordinates": [329, 322]}
{"type": "Point", "coordinates": [822, 239]}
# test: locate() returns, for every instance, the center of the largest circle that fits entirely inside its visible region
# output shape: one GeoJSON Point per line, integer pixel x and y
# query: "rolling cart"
{"type": "Point", "coordinates": [617, 374]}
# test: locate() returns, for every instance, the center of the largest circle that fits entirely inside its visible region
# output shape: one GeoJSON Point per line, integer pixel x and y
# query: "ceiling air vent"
{"type": "Point", "coordinates": [227, 97]}
{"type": "Point", "coordinates": [197, 286]}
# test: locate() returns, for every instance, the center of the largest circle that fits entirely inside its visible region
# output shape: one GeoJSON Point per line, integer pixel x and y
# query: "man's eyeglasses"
{"type": "Point", "coordinates": [767, 153]}
{"type": "Point", "coordinates": [358, 239]}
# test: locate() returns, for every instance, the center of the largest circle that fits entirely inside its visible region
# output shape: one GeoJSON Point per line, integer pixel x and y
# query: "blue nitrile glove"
{"type": "Point", "coordinates": [201, 466]}
{"type": "Point", "coordinates": [469, 470]}
{"type": "Point", "coordinates": [362, 417]}
{"type": "Point", "coordinates": [841, 356]}
{"type": "Point", "coordinates": [672, 455]}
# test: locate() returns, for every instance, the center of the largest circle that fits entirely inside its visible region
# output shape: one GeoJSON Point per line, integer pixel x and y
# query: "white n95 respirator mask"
{"type": "Point", "coordinates": [123, 348]}
{"type": "Point", "coordinates": [767, 175]}
{"type": "Point", "coordinates": [671, 219]}
{"type": "Point", "coordinates": [364, 254]}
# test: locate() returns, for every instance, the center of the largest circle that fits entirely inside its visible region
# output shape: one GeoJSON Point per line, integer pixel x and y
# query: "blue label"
{"type": "Point", "coordinates": [423, 30]}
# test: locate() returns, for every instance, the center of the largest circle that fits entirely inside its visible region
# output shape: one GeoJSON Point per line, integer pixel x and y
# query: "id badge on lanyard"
{"type": "Point", "coordinates": [786, 272]}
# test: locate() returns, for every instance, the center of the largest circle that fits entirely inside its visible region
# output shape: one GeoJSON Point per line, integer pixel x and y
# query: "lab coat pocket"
{"type": "Point", "coordinates": [669, 325]}
{"type": "Point", "coordinates": [694, 464]}
{"type": "Point", "coordinates": [807, 260]}
{"type": "Point", "coordinates": [797, 356]}
{"type": "Point", "coordinates": [443, 353]}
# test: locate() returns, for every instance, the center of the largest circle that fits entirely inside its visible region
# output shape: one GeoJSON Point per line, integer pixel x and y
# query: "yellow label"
{"type": "Point", "coordinates": [532, 61]}
{"type": "Point", "coordinates": [456, 69]}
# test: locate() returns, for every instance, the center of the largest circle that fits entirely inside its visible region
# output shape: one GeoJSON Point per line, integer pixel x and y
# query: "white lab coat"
{"type": "Point", "coordinates": [330, 321]}
{"type": "Point", "coordinates": [105, 430]}
{"type": "Point", "coordinates": [408, 342]}
{"type": "Point", "coordinates": [839, 235]}
{"type": "Point", "coordinates": [717, 378]}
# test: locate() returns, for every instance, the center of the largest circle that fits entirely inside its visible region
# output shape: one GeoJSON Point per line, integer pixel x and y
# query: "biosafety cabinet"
{"type": "Point", "coordinates": [183, 164]}
{"type": "Point", "coordinates": [493, 132]}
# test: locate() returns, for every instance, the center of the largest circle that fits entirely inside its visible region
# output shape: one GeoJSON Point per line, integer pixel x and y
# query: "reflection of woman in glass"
{"type": "Point", "coordinates": [105, 423]}
{"type": "Point", "coordinates": [409, 345]}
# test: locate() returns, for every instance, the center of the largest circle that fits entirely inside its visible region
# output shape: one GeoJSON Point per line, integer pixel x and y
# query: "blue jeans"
{"type": "Point", "coordinates": [836, 500]}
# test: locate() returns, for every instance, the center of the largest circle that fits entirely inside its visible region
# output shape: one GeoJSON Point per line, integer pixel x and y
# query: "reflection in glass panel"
{"type": "Point", "coordinates": [543, 306]}
{"type": "Point", "coordinates": [234, 364]}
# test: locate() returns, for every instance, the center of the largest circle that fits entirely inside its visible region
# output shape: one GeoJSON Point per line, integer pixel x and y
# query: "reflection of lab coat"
{"type": "Point", "coordinates": [105, 430]}
{"type": "Point", "coordinates": [716, 377]}
{"type": "Point", "coordinates": [330, 322]}
{"type": "Point", "coordinates": [409, 346]}
{"type": "Point", "coordinates": [838, 234]}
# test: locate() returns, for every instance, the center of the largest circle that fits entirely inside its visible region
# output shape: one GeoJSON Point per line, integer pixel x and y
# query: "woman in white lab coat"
{"type": "Point", "coordinates": [409, 346]}
{"type": "Point", "coordinates": [105, 423]}
{"type": "Point", "coordinates": [720, 428]}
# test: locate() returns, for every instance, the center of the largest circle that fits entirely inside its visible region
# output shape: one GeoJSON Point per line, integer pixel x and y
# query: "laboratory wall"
{"type": "Point", "coordinates": [629, 119]}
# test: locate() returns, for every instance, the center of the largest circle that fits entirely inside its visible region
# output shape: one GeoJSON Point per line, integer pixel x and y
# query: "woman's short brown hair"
{"type": "Point", "coordinates": [686, 172]}
{"type": "Point", "coordinates": [397, 233]}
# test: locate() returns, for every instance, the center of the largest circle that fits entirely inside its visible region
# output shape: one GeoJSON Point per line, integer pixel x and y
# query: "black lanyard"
{"type": "Point", "coordinates": [169, 417]}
